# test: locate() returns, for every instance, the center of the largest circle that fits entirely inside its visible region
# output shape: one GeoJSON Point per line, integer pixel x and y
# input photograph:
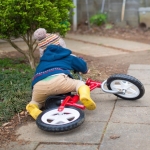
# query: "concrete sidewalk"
{"type": "Point", "coordinates": [115, 124]}
{"type": "Point", "coordinates": [118, 45]}
{"type": "Point", "coordinates": [96, 46]}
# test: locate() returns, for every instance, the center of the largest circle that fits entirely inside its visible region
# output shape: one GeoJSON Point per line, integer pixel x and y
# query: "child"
{"type": "Point", "coordinates": [52, 76]}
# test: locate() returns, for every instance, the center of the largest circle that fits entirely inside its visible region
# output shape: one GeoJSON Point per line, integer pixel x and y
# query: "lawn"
{"type": "Point", "coordinates": [15, 87]}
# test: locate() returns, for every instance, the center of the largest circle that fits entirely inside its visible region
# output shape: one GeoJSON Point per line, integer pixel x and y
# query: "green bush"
{"type": "Point", "coordinates": [98, 19]}
{"type": "Point", "coordinates": [15, 87]}
{"type": "Point", "coordinates": [20, 18]}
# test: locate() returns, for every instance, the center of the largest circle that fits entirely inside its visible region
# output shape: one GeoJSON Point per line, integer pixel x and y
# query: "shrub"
{"type": "Point", "coordinates": [20, 18]}
{"type": "Point", "coordinates": [15, 91]}
{"type": "Point", "coordinates": [98, 19]}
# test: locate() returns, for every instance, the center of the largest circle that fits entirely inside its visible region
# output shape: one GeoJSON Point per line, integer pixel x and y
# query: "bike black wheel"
{"type": "Point", "coordinates": [133, 88]}
{"type": "Point", "coordinates": [55, 100]}
{"type": "Point", "coordinates": [50, 120]}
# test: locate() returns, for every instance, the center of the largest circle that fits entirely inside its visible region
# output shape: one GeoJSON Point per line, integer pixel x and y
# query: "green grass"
{"type": "Point", "coordinates": [15, 87]}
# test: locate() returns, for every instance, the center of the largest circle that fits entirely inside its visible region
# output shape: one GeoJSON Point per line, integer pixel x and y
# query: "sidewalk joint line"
{"type": "Point", "coordinates": [67, 143]}
{"type": "Point", "coordinates": [133, 106]}
{"type": "Point", "coordinates": [120, 49]}
{"type": "Point", "coordinates": [131, 123]}
{"type": "Point", "coordinates": [105, 128]}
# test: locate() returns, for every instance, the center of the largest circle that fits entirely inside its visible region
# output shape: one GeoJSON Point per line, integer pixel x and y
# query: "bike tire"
{"type": "Point", "coordinates": [126, 79]}
{"type": "Point", "coordinates": [62, 127]}
{"type": "Point", "coordinates": [54, 101]}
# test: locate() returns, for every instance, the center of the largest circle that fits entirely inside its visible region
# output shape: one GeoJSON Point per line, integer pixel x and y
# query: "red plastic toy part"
{"type": "Point", "coordinates": [72, 101]}
{"type": "Point", "coordinates": [63, 104]}
{"type": "Point", "coordinates": [93, 84]}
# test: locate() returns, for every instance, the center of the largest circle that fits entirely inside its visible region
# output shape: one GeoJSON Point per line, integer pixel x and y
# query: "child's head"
{"type": "Point", "coordinates": [44, 39]}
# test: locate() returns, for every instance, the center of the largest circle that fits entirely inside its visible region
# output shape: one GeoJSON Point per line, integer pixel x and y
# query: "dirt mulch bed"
{"type": "Point", "coordinates": [7, 130]}
{"type": "Point", "coordinates": [109, 30]}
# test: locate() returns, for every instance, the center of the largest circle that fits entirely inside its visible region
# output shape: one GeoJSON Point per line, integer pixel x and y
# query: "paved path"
{"type": "Point", "coordinates": [109, 43]}
{"type": "Point", "coordinates": [116, 124]}
{"type": "Point", "coordinates": [96, 46]}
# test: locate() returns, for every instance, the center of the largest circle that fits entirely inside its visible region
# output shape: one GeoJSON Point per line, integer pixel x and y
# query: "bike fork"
{"type": "Point", "coordinates": [70, 101]}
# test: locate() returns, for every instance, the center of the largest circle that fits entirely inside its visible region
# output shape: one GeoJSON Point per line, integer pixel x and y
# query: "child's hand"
{"type": "Point", "coordinates": [88, 71]}
{"type": "Point", "coordinates": [73, 55]}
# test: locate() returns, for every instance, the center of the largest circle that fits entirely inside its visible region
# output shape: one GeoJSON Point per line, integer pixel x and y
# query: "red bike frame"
{"type": "Point", "coordinates": [72, 101]}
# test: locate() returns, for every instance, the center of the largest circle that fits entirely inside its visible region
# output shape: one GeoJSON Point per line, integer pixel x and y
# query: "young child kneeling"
{"type": "Point", "coordinates": [52, 75]}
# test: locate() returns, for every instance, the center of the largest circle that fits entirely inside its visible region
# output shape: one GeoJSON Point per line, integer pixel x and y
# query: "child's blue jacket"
{"type": "Point", "coordinates": [57, 60]}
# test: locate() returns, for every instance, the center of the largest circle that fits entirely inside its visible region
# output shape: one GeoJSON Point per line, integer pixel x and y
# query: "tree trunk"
{"type": "Point", "coordinates": [31, 61]}
{"type": "Point", "coordinates": [29, 54]}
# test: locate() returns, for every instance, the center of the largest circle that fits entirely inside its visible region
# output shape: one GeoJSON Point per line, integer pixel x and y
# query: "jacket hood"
{"type": "Point", "coordinates": [55, 52]}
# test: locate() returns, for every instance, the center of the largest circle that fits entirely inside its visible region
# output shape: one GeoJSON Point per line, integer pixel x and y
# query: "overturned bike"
{"type": "Point", "coordinates": [64, 113]}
